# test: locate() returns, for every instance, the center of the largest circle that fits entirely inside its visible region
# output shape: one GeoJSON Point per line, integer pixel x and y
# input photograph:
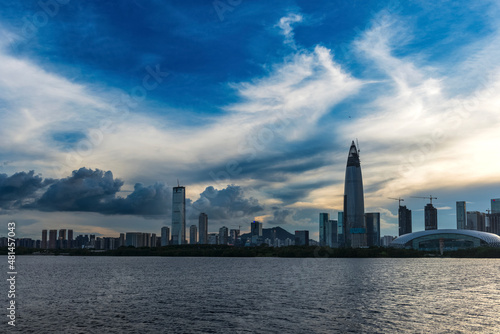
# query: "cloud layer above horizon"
{"type": "Point", "coordinates": [252, 109]}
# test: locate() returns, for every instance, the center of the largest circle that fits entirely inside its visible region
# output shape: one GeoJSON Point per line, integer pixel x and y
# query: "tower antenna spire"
{"type": "Point", "coordinates": [178, 184]}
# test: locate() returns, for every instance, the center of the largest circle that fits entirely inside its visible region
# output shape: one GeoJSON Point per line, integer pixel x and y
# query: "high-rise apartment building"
{"type": "Point", "coordinates": [44, 239]}
{"type": "Point", "coordinates": [431, 220]}
{"type": "Point", "coordinates": [179, 216]}
{"type": "Point", "coordinates": [203, 228]}
{"type": "Point", "coordinates": [223, 235]}
{"type": "Point", "coordinates": [256, 232]}
{"type": "Point", "coordinates": [323, 222]}
{"type": "Point", "coordinates": [354, 207]}
{"type": "Point", "coordinates": [193, 235]}
{"type": "Point", "coordinates": [495, 205]}
{"type": "Point", "coordinates": [476, 221]}
{"type": "Point", "coordinates": [301, 238]}
{"type": "Point", "coordinates": [138, 239]}
{"type": "Point", "coordinates": [165, 235]}
{"type": "Point", "coordinates": [340, 229]}
{"type": "Point", "coordinates": [70, 239]}
{"type": "Point", "coordinates": [52, 239]}
{"type": "Point", "coordinates": [234, 234]}
{"type": "Point", "coordinates": [331, 233]}
{"type": "Point", "coordinates": [61, 241]}
{"type": "Point", "coordinates": [404, 220]}
{"type": "Point", "coordinates": [372, 228]}
{"type": "Point", "coordinates": [461, 215]}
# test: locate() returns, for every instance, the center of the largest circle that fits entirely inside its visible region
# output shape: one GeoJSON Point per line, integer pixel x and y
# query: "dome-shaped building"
{"type": "Point", "coordinates": [446, 239]}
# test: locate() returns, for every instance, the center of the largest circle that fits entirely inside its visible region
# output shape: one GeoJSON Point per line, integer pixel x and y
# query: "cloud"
{"type": "Point", "coordinates": [84, 190]}
{"type": "Point", "coordinates": [419, 130]}
{"type": "Point", "coordinates": [20, 188]}
{"type": "Point", "coordinates": [88, 190]}
{"type": "Point", "coordinates": [280, 216]}
{"type": "Point", "coordinates": [285, 24]}
{"type": "Point", "coordinates": [228, 203]}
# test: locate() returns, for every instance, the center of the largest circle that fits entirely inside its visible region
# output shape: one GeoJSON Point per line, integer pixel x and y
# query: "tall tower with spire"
{"type": "Point", "coordinates": [354, 204]}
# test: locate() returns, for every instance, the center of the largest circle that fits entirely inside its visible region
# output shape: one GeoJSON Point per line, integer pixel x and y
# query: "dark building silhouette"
{"type": "Point", "coordinates": [404, 219]}
{"type": "Point", "coordinates": [44, 239]}
{"type": "Point", "coordinates": [431, 218]}
{"type": "Point", "coordinates": [372, 228]}
{"type": "Point", "coordinates": [341, 229]}
{"type": "Point", "coordinates": [301, 238]}
{"type": "Point", "coordinates": [52, 239]}
{"type": "Point", "coordinates": [70, 239]}
{"type": "Point", "coordinates": [323, 223]}
{"type": "Point", "coordinates": [461, 215]}
{"type": "Point", "coordinates": [354, 207]}
{"type": "Point", "coordinates": [193, 237]}
{"type": "Point", "coordinates": [476, 221]}
{"type": "Point", "coordinates": [179, 216]}
{"type": "Point", "coordinates": [331, 233]}
{"type": "Point", "coordinates": [493, 224]}
{"type": "Point", "coordinates": [256, 232]}
{"type": "Point", "coordinates": [203, 228]}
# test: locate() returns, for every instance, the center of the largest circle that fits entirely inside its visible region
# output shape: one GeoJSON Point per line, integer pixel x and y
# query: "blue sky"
{"type": "Point", "coordinates": [251, 105]}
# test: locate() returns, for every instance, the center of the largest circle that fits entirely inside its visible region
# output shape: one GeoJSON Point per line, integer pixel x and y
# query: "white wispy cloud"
{"type": "Point", "coordinates": [285, 24]}
{"type": "Point", "coordinates": [416, 136]}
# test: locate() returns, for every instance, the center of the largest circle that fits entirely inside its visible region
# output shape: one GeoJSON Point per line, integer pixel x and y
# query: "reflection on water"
{"type": "Point", "coordinates": [256, 295]}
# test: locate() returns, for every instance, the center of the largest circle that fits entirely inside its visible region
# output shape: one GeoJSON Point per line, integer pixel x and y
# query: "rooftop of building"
{"type": "Point", "coordinates": [489, 238]}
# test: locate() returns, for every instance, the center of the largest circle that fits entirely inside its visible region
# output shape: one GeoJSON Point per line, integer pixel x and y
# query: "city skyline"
{"type": "Point", "coordinates": [253, 116]}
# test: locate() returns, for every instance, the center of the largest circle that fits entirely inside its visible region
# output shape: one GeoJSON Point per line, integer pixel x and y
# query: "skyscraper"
{"type": "Point", "coordinates": [256, 232]}
{"type": "Point", "coordinates": [404, 219]}
{"type": "Point", "coordinates": [340, 229]}
{"type": "Point", "coordinates": [165, 236]}
{"type": "Point", "coordinates": [301, 238]}
{"type": "Point", "coordinates": [223, 235]}
{"type": "Point", "coordinates": [44, 239]}
{"type": "Point", "coordinates": [461, 215]}
{"type": "Point", "coordinates": [373, 228]}
{"type": "Point", "coordinates": [431, 219]}
{"type": "Point", "coordinates": [203, 228]}
{"type": "Point", "coordinates": [52, 239]}
{"type": "Point", "coordinates": [70, 239]}
{"type": "Point", "coordinates": [354, 207]}
{"type": "Point", "coordinates": [61, 242]}
{"type": "Point", "coordinates": [495, 205]}
{"type": "Point", "coordinates": [179, 216]}
{"type": "Point", "coordinates": [476, 221]}
{"type": "Point", "coordinates": [234, 234]}
{"type": "Point", "coordinates": [331, 233]}
{"type": "Point", "coordinates": [193, 231]}
{"type": "Point", "coordinates": [323, 221]}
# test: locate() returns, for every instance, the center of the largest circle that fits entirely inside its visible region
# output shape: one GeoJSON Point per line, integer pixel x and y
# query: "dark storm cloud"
{"type": "Point", "coordinates": [84, 190]}
{"type": "Point", "coordinates": [95, 191]}
{"type": "Point", "coordinates": [226, 203]}
{"type": "Point", "coordinates": [20, 187]}
{"type": "Point", "coordinates": [297, 192]}
{"type": "Point", "coordinates": [280, 216]}
{"type": "Point", "coordinates": [151, 200]}
{"type": "Point", "coordinates": [90, 190]}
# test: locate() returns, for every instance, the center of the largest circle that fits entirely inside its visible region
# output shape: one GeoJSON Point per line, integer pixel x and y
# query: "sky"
{"type": "Point", "coordinates": [251, 105]}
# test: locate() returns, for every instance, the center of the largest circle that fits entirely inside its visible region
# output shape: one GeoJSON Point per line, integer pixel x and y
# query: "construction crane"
{"type": "Point", "coordinates": [430, 197]}
{"type": "Point", "coordinates": [397, 199]}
